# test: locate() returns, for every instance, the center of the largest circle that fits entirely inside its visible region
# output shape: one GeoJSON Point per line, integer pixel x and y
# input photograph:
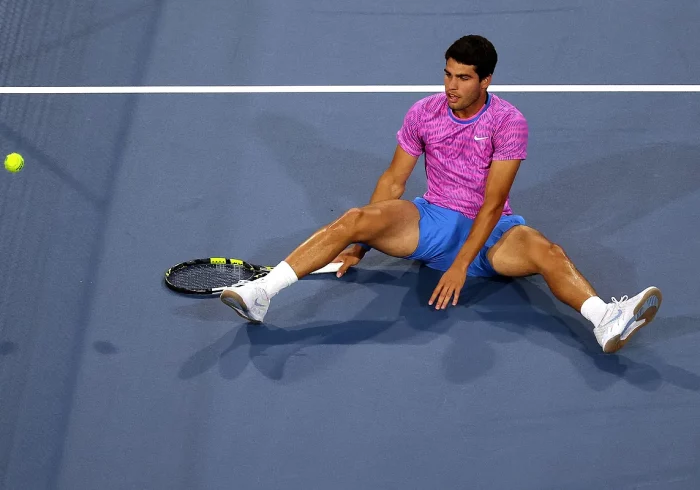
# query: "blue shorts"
{"type": "Point", "coordinates": [444, 231]}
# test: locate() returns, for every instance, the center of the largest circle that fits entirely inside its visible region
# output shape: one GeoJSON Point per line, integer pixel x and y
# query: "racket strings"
{"type": "Point", "coordinates": [205, 276]}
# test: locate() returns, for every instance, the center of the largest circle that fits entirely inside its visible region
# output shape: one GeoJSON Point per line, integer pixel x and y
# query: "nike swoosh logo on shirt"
{"type": "Point", "coordinates": [479, 138]}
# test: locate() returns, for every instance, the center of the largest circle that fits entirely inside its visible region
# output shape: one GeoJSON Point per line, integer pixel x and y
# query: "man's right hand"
{"type": "Point", "coordinates": [349, 257]}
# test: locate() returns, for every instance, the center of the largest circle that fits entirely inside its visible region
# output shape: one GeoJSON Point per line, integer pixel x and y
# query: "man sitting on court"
{"type": "Point", "coordinates": [474, 143]}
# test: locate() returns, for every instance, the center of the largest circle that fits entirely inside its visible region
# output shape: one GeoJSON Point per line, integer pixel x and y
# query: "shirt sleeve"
{"type": "Point", "coordinates": [510, 139]}
{"type": "Point", "coordinates": [409, 137]}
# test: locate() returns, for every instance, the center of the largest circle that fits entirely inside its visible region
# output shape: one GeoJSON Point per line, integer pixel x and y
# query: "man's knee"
{"type": "Point", "coordinates": [394, 220]}
{"type": "Point", "coordinates": [555, 253]}
{"type": "Point", "coordinates": [548, 255]}
{"type": "Point", "coordinates": [531, 247]}
{"type": "Point", "coordinates": [353, 222]}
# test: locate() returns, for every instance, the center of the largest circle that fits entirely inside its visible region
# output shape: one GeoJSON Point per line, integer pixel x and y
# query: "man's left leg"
{"type": "Point", "coordinates": [523, 251]}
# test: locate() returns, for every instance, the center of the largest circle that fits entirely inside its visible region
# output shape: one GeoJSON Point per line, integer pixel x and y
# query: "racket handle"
{"type": "Point", "coordinates": [332, 267]}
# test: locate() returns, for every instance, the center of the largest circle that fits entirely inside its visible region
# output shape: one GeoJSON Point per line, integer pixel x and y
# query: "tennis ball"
{"type": "Point", "coordinates": [14, 162]}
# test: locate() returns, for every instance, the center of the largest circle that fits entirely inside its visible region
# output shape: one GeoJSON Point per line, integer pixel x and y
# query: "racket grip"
{"type": "Point", "coordinates": [332, 267]}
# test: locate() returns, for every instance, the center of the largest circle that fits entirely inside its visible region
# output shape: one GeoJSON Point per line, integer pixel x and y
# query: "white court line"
{"type": "Point", "coordinates": [321, 89]}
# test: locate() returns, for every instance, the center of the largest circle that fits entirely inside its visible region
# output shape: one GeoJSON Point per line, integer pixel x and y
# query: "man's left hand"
{"type": "Point", "coordinates": [450, 285]}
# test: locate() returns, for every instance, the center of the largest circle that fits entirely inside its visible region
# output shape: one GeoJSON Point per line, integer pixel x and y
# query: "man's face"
{"type": "Point", "coordinates": [462, 85]}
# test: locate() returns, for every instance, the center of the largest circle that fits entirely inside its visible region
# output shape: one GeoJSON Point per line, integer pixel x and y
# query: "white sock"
{"type": "Point", "coordinates": [280, 277]}
{"type": "Point", "coordinates": [593, 310]}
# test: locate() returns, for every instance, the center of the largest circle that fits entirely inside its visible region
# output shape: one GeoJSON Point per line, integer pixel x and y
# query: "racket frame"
{"type": "Point", "coordinates": [258, 270]}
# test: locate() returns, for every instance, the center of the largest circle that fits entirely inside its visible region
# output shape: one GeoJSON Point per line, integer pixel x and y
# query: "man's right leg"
{"type": "Point", "coordinates": [392, 227]}
{"type": "Point", "coordinates": [388, 226]}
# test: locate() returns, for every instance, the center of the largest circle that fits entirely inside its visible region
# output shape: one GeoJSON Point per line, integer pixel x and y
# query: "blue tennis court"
{"type": "Point", "coordinates": [109, 380]}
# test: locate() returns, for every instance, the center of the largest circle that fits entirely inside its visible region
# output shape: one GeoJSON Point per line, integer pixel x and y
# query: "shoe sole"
{"type": "Point", "coordinates": [644, 312]}
{"type": "Point", "coordinates": [234, 301]}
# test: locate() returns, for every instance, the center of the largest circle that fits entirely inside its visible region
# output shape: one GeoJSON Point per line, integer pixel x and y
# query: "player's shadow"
{"type": "Point", "coordinates": [491, 312]}
{"type": "Point", "coordinates": [595, 199]}
{"type": "Point", "coordinates": [336, 178]}
{"type": "Point", "coordinates": [550, 324]}
{"type": "Point", "coordinates": [270, 348]}
{"type": "Point", "coordinates": [583, 207]}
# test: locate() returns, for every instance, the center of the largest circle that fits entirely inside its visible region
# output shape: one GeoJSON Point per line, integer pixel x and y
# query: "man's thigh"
{"type": "Point", "coordinates": [514, 255]}
{"type": "Point", "coordinates": [392, 227]}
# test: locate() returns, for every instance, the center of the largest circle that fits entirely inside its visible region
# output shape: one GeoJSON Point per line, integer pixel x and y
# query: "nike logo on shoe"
{"type": "Point", "coordinates": [619, 314]}
{"type": "Point", "coordinates": [480, 138]}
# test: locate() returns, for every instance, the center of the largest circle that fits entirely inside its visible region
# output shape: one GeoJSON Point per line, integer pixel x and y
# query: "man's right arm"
{"type": "Point", "coordinates": [392, 183]}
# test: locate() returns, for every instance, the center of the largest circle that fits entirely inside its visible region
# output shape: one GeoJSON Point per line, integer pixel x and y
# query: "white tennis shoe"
{"type": "Point", "coordinates": [625, 317]}
{"type": "Point", "coordinates": [247, 298]}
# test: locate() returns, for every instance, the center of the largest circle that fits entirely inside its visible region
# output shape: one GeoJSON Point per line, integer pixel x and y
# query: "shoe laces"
{"type": "Point", "coordinates": [621, 300]}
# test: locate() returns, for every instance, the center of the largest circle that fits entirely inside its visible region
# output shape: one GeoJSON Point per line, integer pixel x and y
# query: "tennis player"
{"type": "Point", "coordinates": [474, 143]}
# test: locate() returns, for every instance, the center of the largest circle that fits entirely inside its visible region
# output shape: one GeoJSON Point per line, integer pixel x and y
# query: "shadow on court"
{"type": "Point", "coordinates": [7, 348]}
{"type": "Point", "coordinates": [615, 191]}
{"type": "Point", "coordinates": [335, 178]}
{"type": "Point", "coordinates": [490, 312]}
{"type": "Point", "coordinates": [582, 207]}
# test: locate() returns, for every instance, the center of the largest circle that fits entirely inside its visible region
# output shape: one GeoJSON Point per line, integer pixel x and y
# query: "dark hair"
{"type": "Point", "coordinates": [474, 50]}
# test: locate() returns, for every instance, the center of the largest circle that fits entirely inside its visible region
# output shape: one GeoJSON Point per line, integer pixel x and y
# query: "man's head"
{"type": "Point", "coordinates": [470, 62]}
{"type": "Point", "coordinates": [476, 51]}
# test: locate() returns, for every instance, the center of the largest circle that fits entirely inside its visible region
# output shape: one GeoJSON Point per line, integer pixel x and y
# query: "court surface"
{"type": "Point", "coordinates": [109, 380]}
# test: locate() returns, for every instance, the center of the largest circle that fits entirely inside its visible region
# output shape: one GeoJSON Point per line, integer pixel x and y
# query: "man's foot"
{"type": "Point", "coordinates": [247, 298]}
{"type": "Point", "coordinates": [625, 317]}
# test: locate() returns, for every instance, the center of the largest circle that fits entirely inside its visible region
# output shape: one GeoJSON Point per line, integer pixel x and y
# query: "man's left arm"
{"type": "Point", "coordinates": [498, 184]}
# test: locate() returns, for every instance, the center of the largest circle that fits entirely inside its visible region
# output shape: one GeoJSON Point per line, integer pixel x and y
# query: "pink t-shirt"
{"type": "Point", "coordinates": [459, 152]}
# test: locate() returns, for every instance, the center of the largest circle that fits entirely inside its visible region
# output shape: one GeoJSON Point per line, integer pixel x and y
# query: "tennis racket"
{"type": "Point", "coordinates": [211, 275]}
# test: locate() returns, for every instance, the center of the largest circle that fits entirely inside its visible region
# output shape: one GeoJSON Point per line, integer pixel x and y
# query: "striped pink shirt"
{"type": "Point", "coordinates": [458, 152]}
